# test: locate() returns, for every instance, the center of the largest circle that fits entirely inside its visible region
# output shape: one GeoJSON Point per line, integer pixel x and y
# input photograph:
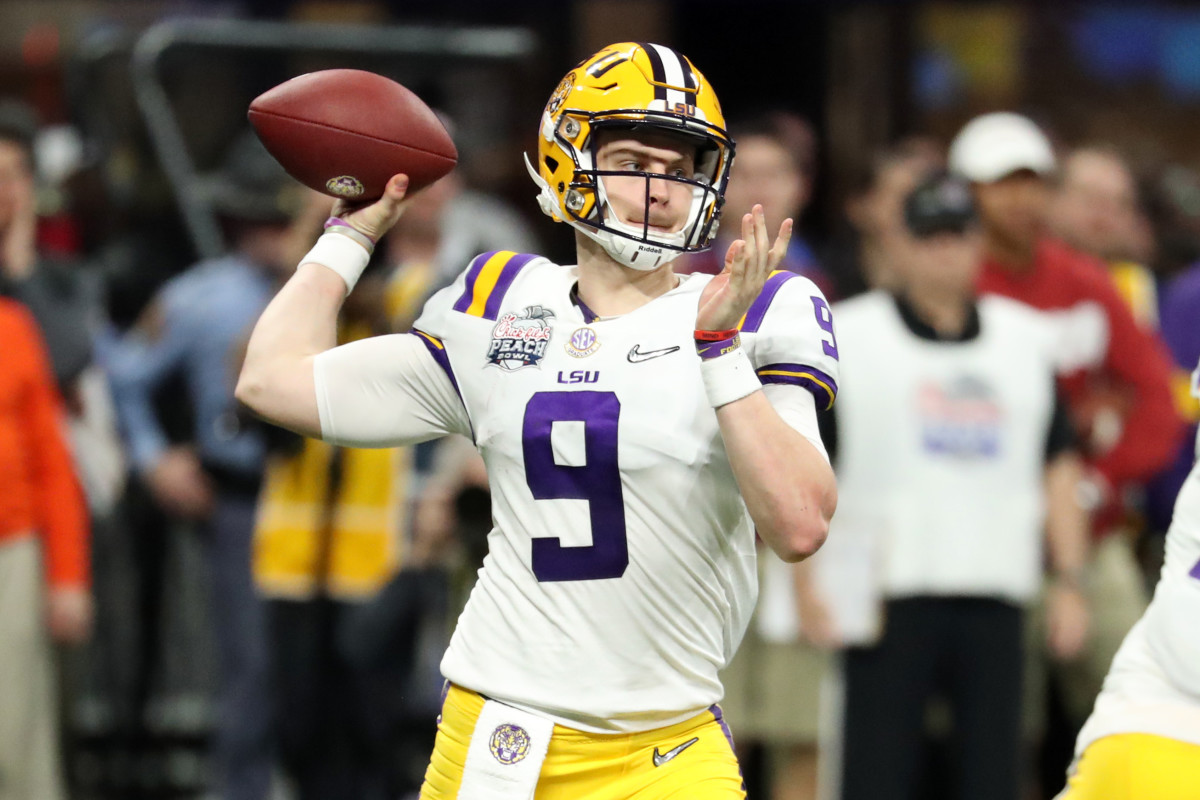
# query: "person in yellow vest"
{"type": "Point", "coordinates": [352, 551]}
{"type": "Point", "coordinates": [330, 533]}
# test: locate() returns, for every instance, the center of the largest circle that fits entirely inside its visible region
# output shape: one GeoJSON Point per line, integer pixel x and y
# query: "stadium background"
{"type": "Point", "coordinates": [864, 73]}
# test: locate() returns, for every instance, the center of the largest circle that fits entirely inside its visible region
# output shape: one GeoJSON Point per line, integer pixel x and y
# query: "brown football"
{"type": "Point", "coordinates": [344, 132]}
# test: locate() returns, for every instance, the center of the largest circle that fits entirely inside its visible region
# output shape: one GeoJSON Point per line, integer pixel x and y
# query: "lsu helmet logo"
{"type": "Point", "coordinates": [560, 94]}
{"type": "Point", "coordinates": [520, 340]}
{"type": "Point", "coordinates": [509, 744]}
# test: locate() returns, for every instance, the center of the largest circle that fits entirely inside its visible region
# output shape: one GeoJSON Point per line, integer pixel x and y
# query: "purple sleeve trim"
{"type": "Point", "coordinates": [822, 386]}
{"type": "Point", "coordinates": [438, 351]}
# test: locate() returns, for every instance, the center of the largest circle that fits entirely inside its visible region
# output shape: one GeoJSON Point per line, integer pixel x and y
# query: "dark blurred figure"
{"type": "Point", "coordinates": [1175, 197]}
{"type": "Point", "coordinates": [61, 298]}
{"type": "Point", "coordinates": [1171, 198]}
{"type": "Point", "coordinates": [859, 257]}
{"type": "Point", "coordinates": [1180, 328]}
{"type": "Point", "coordinates": [776, 165]}
{"type": "Point", "coordinates": [195, 330]}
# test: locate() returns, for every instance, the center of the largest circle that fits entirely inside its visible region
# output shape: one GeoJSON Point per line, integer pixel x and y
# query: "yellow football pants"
{"type": "Point", "coordinates": [1136, 766]}
{"type": "Point", "coordinates": [592, 766]}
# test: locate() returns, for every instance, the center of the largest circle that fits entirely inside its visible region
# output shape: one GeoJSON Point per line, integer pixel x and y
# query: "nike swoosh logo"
{"type": "Point", "coordinates": [662, 758]}
{"type": "Point", "coordinates": [636, 356]}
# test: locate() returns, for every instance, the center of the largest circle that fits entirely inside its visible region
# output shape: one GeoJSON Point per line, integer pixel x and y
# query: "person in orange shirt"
{"type": "Point", "coordinates": [43, 521]}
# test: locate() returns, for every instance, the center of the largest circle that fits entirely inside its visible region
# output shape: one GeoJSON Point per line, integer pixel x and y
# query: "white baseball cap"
{"type": "Point", "coordinates": [993, 146]}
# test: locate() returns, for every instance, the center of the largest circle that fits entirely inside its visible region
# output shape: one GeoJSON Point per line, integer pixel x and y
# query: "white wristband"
{"type": "Point", "coordinates": [729, 377]}
{"type": "Point", "coordinates": [341, 254]}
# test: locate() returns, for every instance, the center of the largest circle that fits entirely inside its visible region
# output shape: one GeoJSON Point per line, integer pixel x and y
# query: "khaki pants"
{"type": "Point", "coordinates": [773, 689]}
{"type": "Point", "coordinates": [1117, 598]}
{"type": "Point", "coordinates": [29, 758]}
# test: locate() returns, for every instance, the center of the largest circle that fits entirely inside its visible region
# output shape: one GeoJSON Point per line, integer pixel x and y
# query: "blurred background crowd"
{"type": "Point", "coordinates": [196, 605]}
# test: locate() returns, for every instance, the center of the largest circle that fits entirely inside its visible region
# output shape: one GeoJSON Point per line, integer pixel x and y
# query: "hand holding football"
{"type": "Point", "coordinates": [345, 132]}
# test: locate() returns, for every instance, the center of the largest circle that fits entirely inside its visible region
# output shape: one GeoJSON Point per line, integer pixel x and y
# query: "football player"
{"type": "Point", "coordinates": [638, 426]}
{"type": "Point", "coordinates": [1143, 737]}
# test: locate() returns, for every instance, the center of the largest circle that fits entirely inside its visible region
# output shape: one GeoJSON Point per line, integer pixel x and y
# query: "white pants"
{"type": "Point", "coordinates": [29, 756]}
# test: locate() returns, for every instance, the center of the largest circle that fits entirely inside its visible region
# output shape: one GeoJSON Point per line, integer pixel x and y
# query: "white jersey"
{"type": "Point", "coordinates": [620, 574]}
{"type": "Point", "coordinates": [1154, 683]}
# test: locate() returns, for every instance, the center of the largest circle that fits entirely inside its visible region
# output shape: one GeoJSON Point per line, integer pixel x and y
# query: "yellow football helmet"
{"type": "Point", "coordinates": [631, 86]}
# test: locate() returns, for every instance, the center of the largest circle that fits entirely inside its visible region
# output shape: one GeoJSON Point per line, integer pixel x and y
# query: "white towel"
{"type": "Point", "coordinates": [505, 758]}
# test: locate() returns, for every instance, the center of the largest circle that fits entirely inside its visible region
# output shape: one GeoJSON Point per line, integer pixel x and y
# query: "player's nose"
{"type": "Point", "coordinates": [659, 190]}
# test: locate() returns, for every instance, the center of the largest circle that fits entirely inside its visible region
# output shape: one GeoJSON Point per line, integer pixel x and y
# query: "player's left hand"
{"type": "Point", "coordinates": [748, 264]}
{"type": "Point", "coordinates": [1067, 620]}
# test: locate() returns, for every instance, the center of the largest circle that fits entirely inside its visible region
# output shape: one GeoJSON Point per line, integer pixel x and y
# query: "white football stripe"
{"type": "Point", "coordinates": [673, 70]}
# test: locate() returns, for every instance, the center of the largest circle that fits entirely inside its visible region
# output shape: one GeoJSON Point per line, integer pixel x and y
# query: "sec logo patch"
{"type": "Point", "coordinates": [583, 343]}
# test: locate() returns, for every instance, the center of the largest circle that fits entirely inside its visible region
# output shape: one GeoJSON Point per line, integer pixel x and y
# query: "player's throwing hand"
{"type": "Point", "coordinates": [748, 264]}
{"type": "Point", "coordinates": [377, 218]}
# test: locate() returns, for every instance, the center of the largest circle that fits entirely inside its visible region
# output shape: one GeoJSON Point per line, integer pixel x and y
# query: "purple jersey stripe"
{"type": "Point", "coordinates": [491, 309]}
{"type": "Point", "coordinates": [821, 384]}
{"type": "Point", "coordinates": [438, 351]}
{"type": "Point", "coordinates": [464, 302]}
{"type": "Point", "coordinates": [758, 309]}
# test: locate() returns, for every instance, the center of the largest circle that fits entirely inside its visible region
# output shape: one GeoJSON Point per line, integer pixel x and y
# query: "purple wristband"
{"type": "Point", "coordinates": [709, 350]}
{"type": "Point", "coordinates": [338, 222]}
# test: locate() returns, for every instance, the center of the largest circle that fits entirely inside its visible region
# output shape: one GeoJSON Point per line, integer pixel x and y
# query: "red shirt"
{"type": "Point", "coordinates": [39, 493]}
{"type": "Point", "coordinates": [1136, 359]}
